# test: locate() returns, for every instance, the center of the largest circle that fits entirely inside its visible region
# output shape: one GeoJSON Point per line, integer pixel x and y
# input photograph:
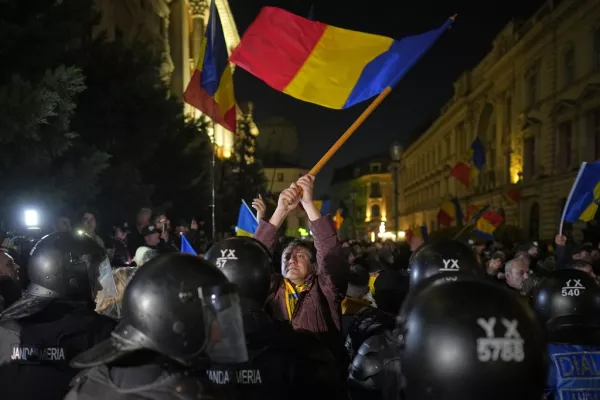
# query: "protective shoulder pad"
{"type": "Point", "coordinates": [367, 367]}
{"type": "Point", "coordinates": [188, 387]}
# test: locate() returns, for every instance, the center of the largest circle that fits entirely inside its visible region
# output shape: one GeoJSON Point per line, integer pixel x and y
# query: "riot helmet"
{"type": "Point", "coordinates": [246, 262]}
{"type": "Point", "coordinates": [180, 306]}
{"type": "Point", "coordinates": [443, 257]}
{"type": "Point", "coordinates": [470, 338]}
{"type": "Point", "coordinates": [568, 302]}
{"type": "Point", "coordinates": [67, 266]}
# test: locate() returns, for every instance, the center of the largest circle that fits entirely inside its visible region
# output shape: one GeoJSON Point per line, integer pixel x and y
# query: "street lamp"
{"type": "Point", "coordinates": [395, 156]}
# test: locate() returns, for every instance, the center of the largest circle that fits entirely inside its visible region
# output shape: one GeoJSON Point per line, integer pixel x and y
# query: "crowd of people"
{"type": "Point", "coordinates": [267, 317]}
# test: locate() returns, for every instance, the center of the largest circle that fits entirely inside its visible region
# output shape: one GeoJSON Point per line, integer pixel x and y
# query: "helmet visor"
{"type": "Point", "coordinates": [226, 341]}
{"type": "Point", "coordinates": [102, 280]}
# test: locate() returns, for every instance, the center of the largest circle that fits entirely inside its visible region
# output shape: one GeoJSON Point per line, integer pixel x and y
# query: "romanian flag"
{"type": "Point", "coordinates": [420, 232]}
{"type": "Point", "coordinates": [247, 222]}
{"type": "Point", "coordinates": [211, 88]}
{"type": "Point", "coordinates": [486, 222]}
{"type": "Point", "coordinates": [449, 212]}
{"type": "Point", "coordinates": [582, 204]}
{"type": "Point", "coordinates": [325, 65]}
{"type": "Point", "coordinates": [465, 172]}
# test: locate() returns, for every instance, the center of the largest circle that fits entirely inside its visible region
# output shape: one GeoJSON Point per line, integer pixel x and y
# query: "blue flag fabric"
{"type": "Point", "coordinates": [186, 247]}
{"type": "Point", "coordinates": [247, 223]}
{"type": "Point", "coordinates": [478, 154]}
{"type": "Point", "coordinates": [582, 204]}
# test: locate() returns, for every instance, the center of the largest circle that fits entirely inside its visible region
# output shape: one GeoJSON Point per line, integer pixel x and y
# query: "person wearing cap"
{"type": "Point", "coordinates": [179, 314]}
{"type": "Point", "coordinates": [55, 319]}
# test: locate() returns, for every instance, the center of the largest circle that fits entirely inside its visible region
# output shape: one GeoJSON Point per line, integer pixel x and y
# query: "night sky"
{"type": "Point", "coordinates": [418, 97]}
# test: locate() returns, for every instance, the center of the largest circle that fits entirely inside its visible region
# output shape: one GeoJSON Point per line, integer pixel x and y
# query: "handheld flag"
{"type": "Point", "coordinates": [211, 88]}
{"type": "Point", "coordinates": [247, 222]}
{"type": "Point", "coordinates": [325, 65]}
{"type": "Point", "coordinates": [449, 212]}
{"type": "Point", "coordinates": [582, 203]}
{"type": "Point", "coordinates": [478, 154]}
{"type": "Point", "coordinates": [420, 233]}
{"type": "Point", "coordinates": [186, 247]}
{"type": "Point", "coordinates": [462, 173]}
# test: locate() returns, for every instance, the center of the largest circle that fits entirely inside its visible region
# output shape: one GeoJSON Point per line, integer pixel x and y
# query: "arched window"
{"type": "Point", "coordinates": [534, 221]}
{"type": "Point", "coordinates": [375, 211]}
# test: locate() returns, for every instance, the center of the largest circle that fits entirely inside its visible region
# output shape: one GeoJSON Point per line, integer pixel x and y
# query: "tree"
{"type": "Point", "coordinates": [241, 177]}
{"type": "Point", "coordinates": [42, 161]}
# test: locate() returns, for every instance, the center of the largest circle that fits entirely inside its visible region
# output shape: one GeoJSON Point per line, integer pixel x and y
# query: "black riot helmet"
{"type": "Point", "coordinates": [470, 338]}
{"type": "Point", "coordinates": [246, 262]}
{"type": "Point", "coordinates": [568, 302]}
{"type": "Point", "coordinates": [180, 306]}
{"type": "Point", "coordinates": [443, 257]}
{"type": "Point", "coordinates": [62, 265]}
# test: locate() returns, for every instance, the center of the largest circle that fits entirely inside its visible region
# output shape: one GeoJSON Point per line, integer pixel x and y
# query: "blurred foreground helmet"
{"type": "Point", "coordinates": [444, 257]}
{"type": "Point", "coordinates": [62, 265]}
{"type": "Point", "coordinates": [247, 263]}
{"type": "Point", "coordinates": [470, 338]}
{"type": "Point", "coordinates": [180, 306]}
{"type": "Point", "coordinates": [567, 301]}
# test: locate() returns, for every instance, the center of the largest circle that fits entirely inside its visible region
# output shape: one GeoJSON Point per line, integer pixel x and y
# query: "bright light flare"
{"type": "Point", "coordinates": [31, 218]}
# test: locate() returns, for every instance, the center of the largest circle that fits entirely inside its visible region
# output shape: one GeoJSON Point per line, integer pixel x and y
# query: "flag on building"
{"type": "Point", "coordinates": [325, 65]}
{"type": "Point", "coordinates": [420, 232]}
{"type": "Point", "coordinates": [582, 204]}
{"type": "Point", "coordinates": [247, 222]}
{"type": "Point", "coordinates": [211, 88]}
{"type": "Point", "coordinates": [186, 247]}
{"type": "Point", "coordinates": [465, 172]}
{"type": "Point", "coordinates": [513, 194]}
{"type": "Point", "coordinates": [450, 211]}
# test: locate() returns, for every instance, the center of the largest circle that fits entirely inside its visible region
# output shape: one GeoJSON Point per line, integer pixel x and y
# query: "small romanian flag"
{"type": "Point", "coordinates": [449, 212]}
{"type": "Point", "coordinates": [421, 232]}
{"type": "Point", "coordinates": [325, 65]}
{"type": "Point", "coordinates": [211, 88]}
{"type": "Point", "coordinates": [486, 221]}
{"type": "Point", "coordinates": [247, 222]}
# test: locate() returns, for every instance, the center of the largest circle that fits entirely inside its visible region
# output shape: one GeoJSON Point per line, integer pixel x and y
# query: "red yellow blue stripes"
{"type": "Point", "coordinates": [325, 65]}
{"type": "Point", "coordinates": [211, 88]}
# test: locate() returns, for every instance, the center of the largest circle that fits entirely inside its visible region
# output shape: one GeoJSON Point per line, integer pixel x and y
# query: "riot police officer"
{"type": "Point", "coordinates": [444, 259]}
{"type": "Point", "coordinates": [568, 302]}
{"type": "Point", "coordinates": [466, 338]}
{"type": "Point", "coordinates": [282, 363]}
{"type": "Point", "coordinates": [55, 319]}
{"type": "Point", "coordinates": [179, 313]}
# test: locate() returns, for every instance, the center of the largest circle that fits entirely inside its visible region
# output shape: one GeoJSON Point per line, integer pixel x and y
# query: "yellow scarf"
{"type": "Point", "coordinates": [292, 293]}
{"type": "Point", "coordinates": [352, 305]}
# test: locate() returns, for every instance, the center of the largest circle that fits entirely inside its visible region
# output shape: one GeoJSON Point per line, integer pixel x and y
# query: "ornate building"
{"type": "Point", "coordinates": [534, 101]}
{"type": "Point", "coordinates": [174, 28]}
{"type": "Point", "coordinates": [364, 191]}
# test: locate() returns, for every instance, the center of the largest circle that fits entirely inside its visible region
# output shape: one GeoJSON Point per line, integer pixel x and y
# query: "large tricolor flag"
{"type": "Point", "coordinates": [211, 88]}
{"type": "Point", "coordinates": [325, 65]}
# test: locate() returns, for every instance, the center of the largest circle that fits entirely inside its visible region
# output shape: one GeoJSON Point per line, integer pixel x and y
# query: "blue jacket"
{"type": "Point", "coordinates": [574, 372]}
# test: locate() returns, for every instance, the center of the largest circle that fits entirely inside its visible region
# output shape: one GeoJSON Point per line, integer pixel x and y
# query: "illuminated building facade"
{"type": "Point", "coordinates": [364, 190]}
{"type": "Point", "coordinates": [534, 101]}
{"type": "Point", "coordinates": [174, 28]}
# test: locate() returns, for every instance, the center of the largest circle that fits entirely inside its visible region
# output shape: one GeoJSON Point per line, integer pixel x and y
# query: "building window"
{"type": "Point", "coordinates": [534, 222]}
{"type": "Point", "coordinates": [594, 121]}
{"type": "Point", "coordinates": [375, 190]}
{"type": "Point", "coordinates": [375, 168]}
{"type": "Point", "coordinates": [280, 177]}
{"type": "Point", "coordinates": [375, 211]}
{"type": "Point", "coordinates": [529, 158]}
{"type": "Point", "coordinates": [532, 89]}
{"type": "Point", "coordinates": [597, 48]}
{"type": "Point", "coordinates": [565, 145]}
{"type": "Point", "coordinates": [508, 115]}
{"type": "Point", "coordinates": [569, 65]}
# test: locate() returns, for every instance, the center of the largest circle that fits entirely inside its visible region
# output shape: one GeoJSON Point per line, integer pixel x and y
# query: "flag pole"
{"type": "Point", "coordinates": [359, 121]}
{"type": "Point", "coordinates": [213, 205]}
